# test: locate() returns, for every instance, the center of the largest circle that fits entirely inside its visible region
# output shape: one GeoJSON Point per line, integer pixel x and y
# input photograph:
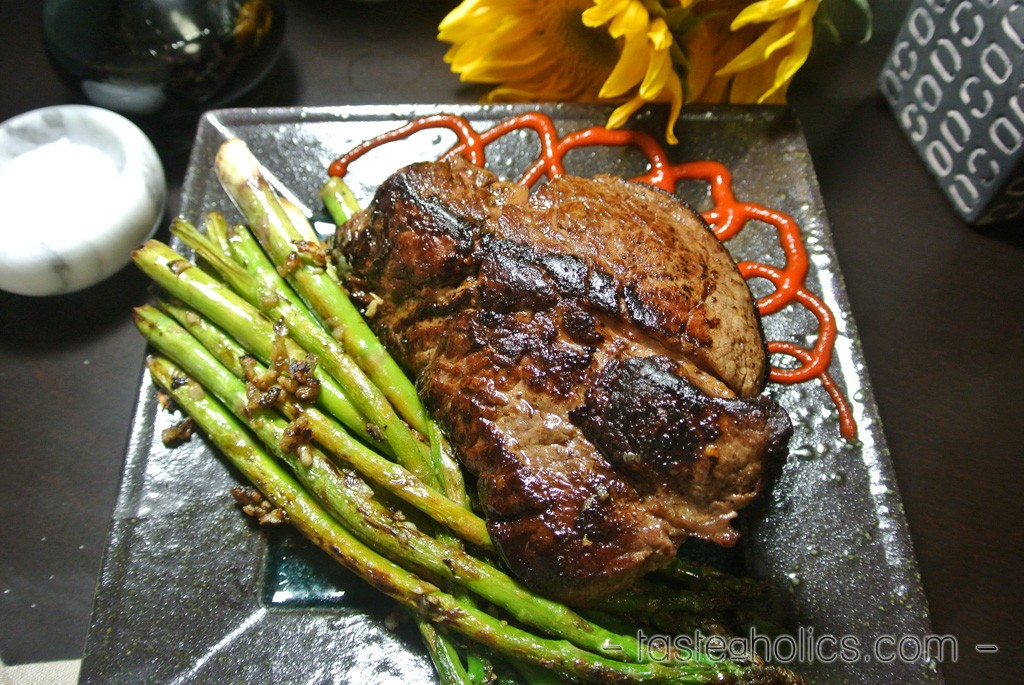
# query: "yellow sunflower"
{"type": "Point", "coordinates": [633, 52]}
{"type": "Point", "coordinates": [554, 50]}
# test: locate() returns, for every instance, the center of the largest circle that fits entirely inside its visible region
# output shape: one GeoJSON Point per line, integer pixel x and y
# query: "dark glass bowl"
{"type": "Point", "coordinates": [152, 57]}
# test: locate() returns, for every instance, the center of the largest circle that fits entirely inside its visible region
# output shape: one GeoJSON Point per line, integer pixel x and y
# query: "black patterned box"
{"type": "Point", "coordinates": [955, 80]}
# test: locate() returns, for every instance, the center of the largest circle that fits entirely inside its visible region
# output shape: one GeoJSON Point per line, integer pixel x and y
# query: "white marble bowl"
{"type": "Point", "coordinates": [80, 187]}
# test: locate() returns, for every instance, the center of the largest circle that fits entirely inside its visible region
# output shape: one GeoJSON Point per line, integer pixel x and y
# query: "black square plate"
{"type": "Point", "coordinates": [190, 592]}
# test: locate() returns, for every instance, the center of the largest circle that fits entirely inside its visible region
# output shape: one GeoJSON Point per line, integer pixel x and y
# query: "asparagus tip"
{"type": "Point", "coordinates": [234, 156]}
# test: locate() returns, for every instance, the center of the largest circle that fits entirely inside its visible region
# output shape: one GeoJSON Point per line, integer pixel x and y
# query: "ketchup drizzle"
{"type": "Point", "coordinates": [727, 217]}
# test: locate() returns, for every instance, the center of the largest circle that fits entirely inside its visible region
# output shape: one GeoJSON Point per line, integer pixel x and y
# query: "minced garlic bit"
{"type": "Point", "coordinates": [392, 620]}
{"type": "Point", "coordinates": [302, 372]}
{"type": "Point", "coordinates": [164, 400]}
{"type": "Point", "coordinates": [313, 250]}
{"type": "Point", "coordinates": [255, 399]}
{"type": "Point", "coordinates": [371, 308]}
{"type": "Point", "coordinates": [177, 434]}
{"type": "Point", "coordinates": [297, 434]}
{"type": "Point", "coordinates": [286, 377]}
{"type": "Point", "coordinates": [195, 390]}
{"type": "Point", "coordinates": [254, 504]}
{"type": "Point", "coordinates": [262, 380]}
{"type": "Point", "coordinates": [292, 262]}
{"type": "Point", "coordinates": [179, 266]}
{"type": "Point", "coordinates": [269, 299]}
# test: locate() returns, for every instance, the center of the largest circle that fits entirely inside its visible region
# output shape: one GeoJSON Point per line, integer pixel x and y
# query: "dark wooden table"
{"type": "Point", "coordinates": [940, 307]}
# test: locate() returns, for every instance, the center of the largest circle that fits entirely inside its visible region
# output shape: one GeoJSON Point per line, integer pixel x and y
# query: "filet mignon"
{"type": "Point", "coordinates": [592, 352]}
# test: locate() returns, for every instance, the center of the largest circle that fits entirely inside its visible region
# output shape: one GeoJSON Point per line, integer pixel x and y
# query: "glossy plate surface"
{"type": "Point", "coordinates": [192, 592]}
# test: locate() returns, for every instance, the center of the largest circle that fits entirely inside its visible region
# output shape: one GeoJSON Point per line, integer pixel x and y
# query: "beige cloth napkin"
{"type": "Point", "coordinates": [45, 673]}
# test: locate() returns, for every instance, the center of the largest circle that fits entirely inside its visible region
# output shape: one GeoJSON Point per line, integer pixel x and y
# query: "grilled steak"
{"type": "Point", "coordinates": [590, 349]}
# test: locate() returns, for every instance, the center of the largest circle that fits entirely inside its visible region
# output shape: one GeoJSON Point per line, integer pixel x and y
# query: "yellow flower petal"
{"type": "Point", "coordinates": [603, 11]}
{"type": "Point", "coordinates": [673, 94]}
{"type": "Point", "coordinates": [458, 24]}
{"type": "Point", "coordinates": [622, 50]}
{"type": "Point", "coordinates": [657, 75]}
{"type": "Point", "coordinates": [624, 111]}
{"type": "Point", "coordinates": [789, 66]}
{"type": "Point", "coordinates": [768, 10]}
{"type": "Point", "coordinates": [534, 50]}
{"type": "Point", "coordinates": [779, 34]}
{"type": "Point", "coordinates": [659, 35]}
{"type": "Point", "coordinates": [631, 20]}
{"type": "Point", "coordinates": [630, 68]}
{"type": "Point", "coordinates": [674, 87]}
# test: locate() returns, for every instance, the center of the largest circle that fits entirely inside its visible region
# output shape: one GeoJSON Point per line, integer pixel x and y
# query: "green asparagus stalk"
{"type": "Point", "coordinates": [239, 172]}
{"type": "Point", "coordinates": [452, 612]}
{"type": "Point", "coordinates": [244, 322]}
{"type": "Point", "coordinates": [337, 197]}
{"type": "Point", "coordinates": [684, 570]}
{"type": "Point", "coordinates": [218, 343]}
{"type": "Point", "coordinates": [443, 654]}
{"type": "Point", "coordinates": [216, 227]}
{"type": "Point", "coordinates": [341, 204]}
{"type": "Point", "coordinates": [304, 227]}
{"type": "Point", "coordinates": [407, 446]}
{"type": "Point", "coordinates": [706, 580]}
{"type": "Point", "coordinates": [179, 339]}
{"type": "Point", "coordinates": [246, 251]}
{"type": "Point", "coordinates": [240, 245]}
{"type": "Point", "coordinates": [634, 603]}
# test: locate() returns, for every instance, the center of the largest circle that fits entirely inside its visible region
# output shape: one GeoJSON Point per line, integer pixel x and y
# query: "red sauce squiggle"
{"type": "Point", "coordinates": [727, 218]}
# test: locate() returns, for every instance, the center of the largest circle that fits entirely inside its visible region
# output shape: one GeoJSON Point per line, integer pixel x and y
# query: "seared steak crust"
{"type": "Point", "coordinates": [587, 348]}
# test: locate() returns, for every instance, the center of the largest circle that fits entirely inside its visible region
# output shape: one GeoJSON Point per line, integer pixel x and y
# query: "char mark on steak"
{"type": "Point", "coordinates": [592, 352]}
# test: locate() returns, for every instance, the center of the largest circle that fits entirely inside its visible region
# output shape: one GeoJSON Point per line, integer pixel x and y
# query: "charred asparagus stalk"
{"type": "Point", "coordinates": [313, 338]}
{"type": "Point", "coordinates": [245, 323]}
{"type": "Point", "coordinates": [304, 264]}
{"type": "Point", "coordinates": [181, 344]}
{"type": "Point", "coordinates": [429, 463]}
{"type": "Point", "coordinates": [240, 174]}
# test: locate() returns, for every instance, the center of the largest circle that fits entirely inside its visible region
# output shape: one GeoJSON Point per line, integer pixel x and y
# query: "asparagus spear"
{"type": "Point", "coordinates": [239, 172]}
{"type": "Point", "coordinates": [177, 343]}
{"type": "Point", "coordinates": [216, 227]}
{"type": "Point", "coordinates": [244, 322]}
{"type": "Point", "coordinates": [242, 246]}
{"type": "Point", "coordinates": [443, 654]}
{"type": "Point", "coordinates": [337, 197]}
{"type": "Point", "coordinates": [446, 474]}
{"type": "Point", "coordinates": [369, 399]}
{"type": "Point", "coordinates": [705, 579]}
{"type": "Point", "coordinates": [239, 244]}
{"type": "Point", "coordinates": [456, 614]}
